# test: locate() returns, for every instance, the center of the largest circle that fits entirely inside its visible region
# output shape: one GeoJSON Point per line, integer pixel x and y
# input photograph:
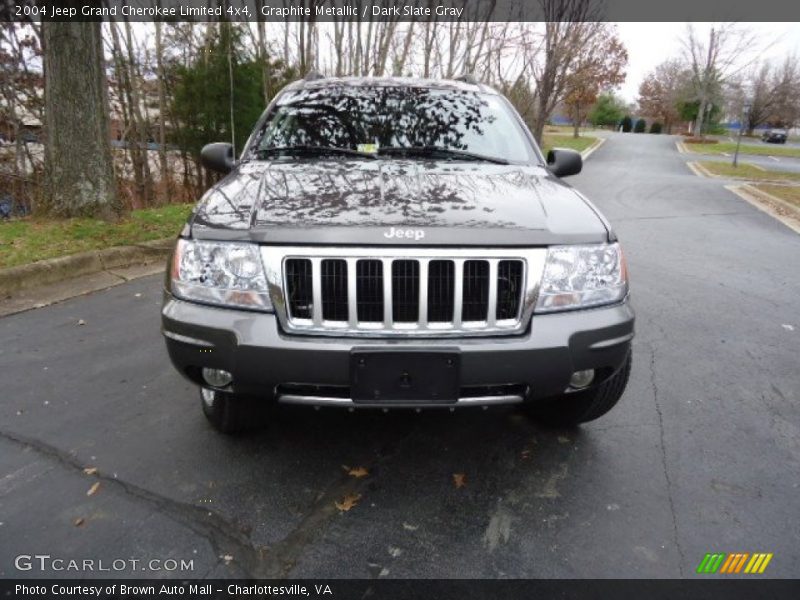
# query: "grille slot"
{"type": "Point", "coordinates": [405, 291]}
{"type": "Point", "coordinates": [334, 290]}
{"type": "Point", "coordinates": [299, 296]}
{"type": "Point", "coordinates": [374, 292]}
{"type": "Point", "coordinates": [369, 291]}
{"type": "Point", "coordinates": [509, 288]}
{"type": "Point", "coordinates": [441, 276]}
{"type": "Point", "coordinates": [476, 290]}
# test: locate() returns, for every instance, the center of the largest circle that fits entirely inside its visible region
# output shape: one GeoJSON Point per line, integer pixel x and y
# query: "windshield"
{"type": "Point", "coordinates": [373, 119]}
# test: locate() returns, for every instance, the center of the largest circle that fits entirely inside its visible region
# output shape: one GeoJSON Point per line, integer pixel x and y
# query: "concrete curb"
{"type": "Point", "coordinates": [53, 270]}
{"type": "Point", "coordinates": [700, 170]}
{"type": "Point", "coordinates": [777, 208]}
{"type": "Point", "coordinates": [590, 150]}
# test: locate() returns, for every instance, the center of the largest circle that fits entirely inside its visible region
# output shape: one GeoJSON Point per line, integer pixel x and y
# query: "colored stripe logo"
{"type": "Point", "coordinates": [735, 562]}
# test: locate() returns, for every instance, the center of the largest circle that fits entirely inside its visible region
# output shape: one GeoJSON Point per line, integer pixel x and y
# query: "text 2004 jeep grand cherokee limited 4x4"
{"type": "Point", "coordinates": [397, 243]}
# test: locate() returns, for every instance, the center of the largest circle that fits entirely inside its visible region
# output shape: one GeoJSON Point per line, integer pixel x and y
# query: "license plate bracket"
{"type": "Point", "coordinates": [386, 377]}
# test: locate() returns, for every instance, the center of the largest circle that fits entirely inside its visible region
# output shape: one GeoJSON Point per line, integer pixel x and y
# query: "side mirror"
{"type": "Point", "coordinates": [218, 157]}
{"type": "Point", "coordinates": [564, 162]}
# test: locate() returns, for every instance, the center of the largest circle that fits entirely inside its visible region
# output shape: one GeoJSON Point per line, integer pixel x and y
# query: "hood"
{"type": "Point", "coordinates": [366, 202]}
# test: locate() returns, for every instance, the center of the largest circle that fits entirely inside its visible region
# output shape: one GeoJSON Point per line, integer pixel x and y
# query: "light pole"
{"type": "Point", "coordinates": [745, 113]}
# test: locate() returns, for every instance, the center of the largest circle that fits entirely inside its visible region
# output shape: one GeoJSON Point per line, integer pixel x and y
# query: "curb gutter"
{"type": "Point", "coordinates": [15, 279]}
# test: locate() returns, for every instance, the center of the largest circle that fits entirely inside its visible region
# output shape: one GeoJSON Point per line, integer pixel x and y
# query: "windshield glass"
{"type": "Point", "coordinates": [369, 119]}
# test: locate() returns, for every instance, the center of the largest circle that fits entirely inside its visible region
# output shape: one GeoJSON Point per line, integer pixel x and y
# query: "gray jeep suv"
{"type": "Point", "coordinates": [397, 243]}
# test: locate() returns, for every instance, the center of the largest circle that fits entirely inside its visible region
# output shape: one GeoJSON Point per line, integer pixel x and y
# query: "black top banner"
{"type": "Point", "coordinates": [400, 10]}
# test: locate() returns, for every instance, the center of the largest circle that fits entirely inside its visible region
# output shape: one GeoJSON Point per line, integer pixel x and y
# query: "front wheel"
{"type": "Point", "coordinates": [580, 407]}
{"type": "Point", "coordinates": [234, 413]}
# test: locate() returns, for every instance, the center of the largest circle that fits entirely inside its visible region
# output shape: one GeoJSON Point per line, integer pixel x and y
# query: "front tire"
{"type": "Point", "coordinates": [234, 413]}
{"type": "Point", "coordinates": [581, 407]}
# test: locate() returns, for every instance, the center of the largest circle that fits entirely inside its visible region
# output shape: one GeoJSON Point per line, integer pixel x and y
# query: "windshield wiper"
{"type": "Point", "coordinates": [312, 150]}
{"type": "Point", "coordinates": [442, 150]}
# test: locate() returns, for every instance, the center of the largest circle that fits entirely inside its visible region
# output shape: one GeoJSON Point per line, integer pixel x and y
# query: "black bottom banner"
{"type": "Point", "coordinates": [399, 589]}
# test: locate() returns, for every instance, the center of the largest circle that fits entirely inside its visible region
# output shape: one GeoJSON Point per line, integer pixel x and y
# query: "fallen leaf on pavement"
{"type": "Point", "coordinates": [78, 522]}
{"type": "Point", "coordinates": [459, 480]}
{"type": "Point", "coordinates": [358, 472]}
{"type": "Point", "coordinates": [90, 470]}
{"type": "Point", "coordinates": [348, 502]}
{"type": "Point", "coordinates": [93, 490]}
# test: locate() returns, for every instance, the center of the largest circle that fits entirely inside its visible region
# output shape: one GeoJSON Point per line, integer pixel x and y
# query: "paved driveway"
{"type": "Point", "coordinates": [702, 453]}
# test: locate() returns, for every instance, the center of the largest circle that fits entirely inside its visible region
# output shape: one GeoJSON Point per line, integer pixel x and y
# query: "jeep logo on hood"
{"type": "Point", "coordinates": [408, 234]}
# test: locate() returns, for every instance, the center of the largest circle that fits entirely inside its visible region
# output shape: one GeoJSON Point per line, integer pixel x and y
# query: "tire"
{"type": "Point", "coordinates": [581, 407]}
{"type": "Point", "coordinates": [231, 413]}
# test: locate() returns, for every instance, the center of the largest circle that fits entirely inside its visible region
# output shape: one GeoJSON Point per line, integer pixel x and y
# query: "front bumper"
{"type": "Point", "coordinates": [265, 361]}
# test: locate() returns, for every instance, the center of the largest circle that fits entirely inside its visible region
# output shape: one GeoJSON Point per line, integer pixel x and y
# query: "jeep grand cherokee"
{"type": "Point", "coordinates": [397, 243]}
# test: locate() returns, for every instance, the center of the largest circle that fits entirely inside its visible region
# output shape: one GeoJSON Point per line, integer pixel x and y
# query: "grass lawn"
{"type": "Point", "coordinates": [789, 193]}
{"type": "Point", "coordinates": [746, 171]}
{"type": "Point", "coordinates": [28, 240]}
{"type": "Point", "coordinates": [580, 144]}
{"type": "Point", "coordinates": [730, 148]}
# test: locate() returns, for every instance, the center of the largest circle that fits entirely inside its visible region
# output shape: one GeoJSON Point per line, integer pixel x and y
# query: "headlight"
{"type": "Point", "coordinates": [225, 273]}
{"type": "Point", "coordinates": [582, 276]}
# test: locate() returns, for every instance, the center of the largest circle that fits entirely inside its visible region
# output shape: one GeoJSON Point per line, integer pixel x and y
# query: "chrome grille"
{"type": "Point", "coordinates": [334, 290]}
{"type": "Point", "coordinates": [298, 280]}
{"type": "Point", "coordinates": [409, 291]}
{"type": "Point", "coordinates": [440, 291]}
{"type": "Point", "coordinates": [405, 291]}
{"type": "Point", "coordinates": [369, 291]}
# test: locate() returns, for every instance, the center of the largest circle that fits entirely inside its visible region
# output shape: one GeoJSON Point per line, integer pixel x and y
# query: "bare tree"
{"type": "Point", "coordinates": [569, 26]}
{"type": "Point", "coordinates": [79, 170]}
{"type": "Point", "coordinates": [761, 93]}
{"type": "Point", "coordinates": [713, 61]}
{"type": "Point", "coordinates": [786, 110]}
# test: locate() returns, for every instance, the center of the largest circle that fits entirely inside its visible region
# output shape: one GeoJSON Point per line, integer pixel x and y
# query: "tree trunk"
{"type": "Point", "coordinates": [166, 176]}
{"type": "Point", "coordinates": [79, 168]}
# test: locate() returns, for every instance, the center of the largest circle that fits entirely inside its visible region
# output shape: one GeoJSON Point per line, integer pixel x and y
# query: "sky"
{"type": "Point", "coordinates": [649, 44]}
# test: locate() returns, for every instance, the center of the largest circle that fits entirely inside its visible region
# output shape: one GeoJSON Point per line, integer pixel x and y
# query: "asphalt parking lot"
{"type": "Point", "coordinates": [702, 454]}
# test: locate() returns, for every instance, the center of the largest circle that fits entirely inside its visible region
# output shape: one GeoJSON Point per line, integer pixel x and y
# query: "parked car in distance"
{"type": "Point", "coordinates": [397, 243]}
{"type": "Point", "coordinates": [774, 137]}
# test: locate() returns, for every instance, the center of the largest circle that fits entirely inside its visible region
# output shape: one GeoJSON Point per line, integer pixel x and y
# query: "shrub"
{"type": "Point", "coordinates": [655, 127]}
{"type": "Point", "coordinates": [627, 124]}
{"type": "Point", "coordinates": [640, 127]}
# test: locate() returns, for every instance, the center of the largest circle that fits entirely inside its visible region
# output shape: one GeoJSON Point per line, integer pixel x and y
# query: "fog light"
{"type": "Point", "coordinates": [217, 377]}
{"type": "Point", "coordinates": [580, 379]}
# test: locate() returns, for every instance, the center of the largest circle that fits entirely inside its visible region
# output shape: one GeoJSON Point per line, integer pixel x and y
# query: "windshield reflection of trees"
{"type": "Point", "coordinates": [389, 116]}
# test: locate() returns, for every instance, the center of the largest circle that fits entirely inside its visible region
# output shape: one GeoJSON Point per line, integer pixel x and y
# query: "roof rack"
{"type": "Point", "coordinates": [467, 78]}
{"type": "Point", "coordinates": [313, 76]}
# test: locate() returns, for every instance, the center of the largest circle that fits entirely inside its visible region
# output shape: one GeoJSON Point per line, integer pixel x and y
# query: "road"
{"type": "Point", "coordinates": [702, 454]}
